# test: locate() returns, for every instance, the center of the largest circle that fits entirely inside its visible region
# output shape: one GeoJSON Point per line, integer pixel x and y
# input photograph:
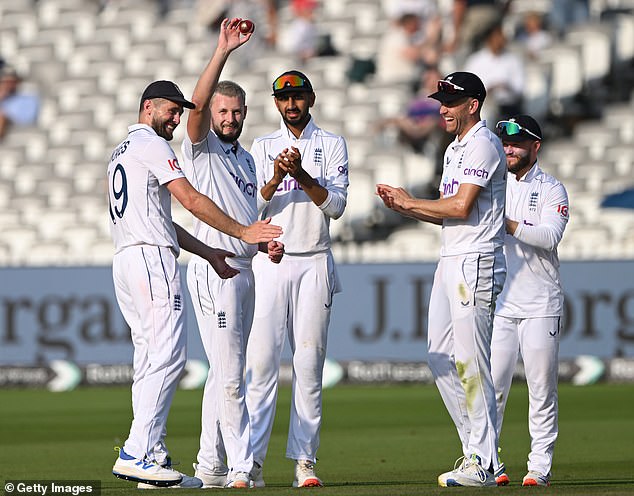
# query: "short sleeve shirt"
{"type": "Point", "coordinates": [476, 159]}
{"type": "Point", "coordinates": [226, 174]}
{"type": "Point", "coordinates": [139, 202]}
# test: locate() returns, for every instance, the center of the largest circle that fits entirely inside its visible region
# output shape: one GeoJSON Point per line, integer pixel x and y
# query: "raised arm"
{"type": "Point", "coordinates": [199, 120]}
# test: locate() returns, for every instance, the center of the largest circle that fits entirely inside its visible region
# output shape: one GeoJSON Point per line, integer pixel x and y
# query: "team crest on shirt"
{"type": "Point", "coordinates": [222, 320]}
{"type": "Point", "coordinates": [318, 157]}
{"type": "Point", "coordinates": [250, 165]}
{"type": "Point", "coordinates": [532, 201]}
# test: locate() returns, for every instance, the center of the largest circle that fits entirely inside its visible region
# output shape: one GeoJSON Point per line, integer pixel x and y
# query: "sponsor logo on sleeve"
{"type": "Point", "coordinates": [563, 210]}
{"type": "Point", "coordinates": [173, 163]}
{"type": "Point", "coordinates": [450, 188]}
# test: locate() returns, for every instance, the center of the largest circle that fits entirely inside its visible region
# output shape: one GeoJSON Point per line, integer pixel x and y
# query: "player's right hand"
{"type": "Point", "coordinates": [230, 37]}
{"type": "Point", "coordinates": [261, 231]}
{"type": "Point", "coordinates": [216, 259]}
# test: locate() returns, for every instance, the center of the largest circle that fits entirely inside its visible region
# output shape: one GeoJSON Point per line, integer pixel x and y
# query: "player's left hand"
{"type": "Point", "coordinates": [216, 259]}
{"type": "Point", "coordinates": [275, 249]}
{"type": "Point", "coordinates": [290, 161]}
{"type": "Point", "coordinates": [393, 198]}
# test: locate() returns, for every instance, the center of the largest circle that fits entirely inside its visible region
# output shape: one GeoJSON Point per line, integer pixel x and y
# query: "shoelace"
{"type": "Point", "coordinates": [459, 463]}
{"type": "Point", "coordinates": [473, 465]}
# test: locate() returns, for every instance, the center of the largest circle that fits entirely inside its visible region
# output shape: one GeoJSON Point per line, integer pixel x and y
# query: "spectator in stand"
{"type": "Point", "coordinates": [502, 73]}
{"type": "Point", "coordinates": [470, 18]}
{"type": "Point", "coordinates": [16, 107]}
{"type": "Point", "coordinates": [421, 121]}
{"type": "Point", "coordinates": [564, 13]}
{"type": "Point", "coordinates": [303, 35]}
{"type": "Point", "coordinates": [409, 45]}
{"type": "Point", "coordinates": [534, 38]}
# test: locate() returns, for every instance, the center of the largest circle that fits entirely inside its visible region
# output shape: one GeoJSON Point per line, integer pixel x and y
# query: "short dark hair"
{"type": "Point", "coordinates": [229, 88]}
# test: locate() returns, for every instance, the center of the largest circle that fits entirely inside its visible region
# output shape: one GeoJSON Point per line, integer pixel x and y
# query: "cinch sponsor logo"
{"type": "Point", "coordinates": [248, 189]}
{"type": "Point", "coordinates": [289, 185]}
{"type": "Point", "coordinates": [476, 172]}
{"type": "Point", "coordinates": [448, 188]}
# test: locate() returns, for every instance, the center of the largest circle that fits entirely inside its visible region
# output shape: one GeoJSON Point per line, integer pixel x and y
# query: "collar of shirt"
{"type": "Point", "coordinates": [532, 173]}
{"type": "Point", "coordinates": [476, 127]}
{"type": "Point", "coordinates": [136, 127]}
{"type": "Point", "coordinates": [230, 147]}
{"type": "Point", "coordinates": [306, 132]}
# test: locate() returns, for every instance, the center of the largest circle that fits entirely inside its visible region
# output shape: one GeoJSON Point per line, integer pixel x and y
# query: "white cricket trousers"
{"type": "Point", "coordinates": [538, 341]}
{"type": "Point", "coordinates": [459, 344]}
{"type": "Point", "coordinates": [293, 298]}
{"type": "Point", "coordinates": [224, 311]}
{"type": "Point", "coordinates": [148, 289]}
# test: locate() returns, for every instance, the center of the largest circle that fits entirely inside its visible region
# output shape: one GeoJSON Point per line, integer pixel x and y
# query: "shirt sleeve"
{"type": "Point", "coordinates": [553, 219]}
{"type": "Point", "coordinates": [161, 161]}
{"type": "Point", "coordinates": [258, 154]}
{"type": "Point", "coordinates": [480, 161]}
{"type": "Point", "coordinates": [336, 181]}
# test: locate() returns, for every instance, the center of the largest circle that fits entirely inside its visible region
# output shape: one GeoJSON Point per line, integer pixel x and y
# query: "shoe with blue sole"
{"type": "Point", "coordinates": [148, 472]}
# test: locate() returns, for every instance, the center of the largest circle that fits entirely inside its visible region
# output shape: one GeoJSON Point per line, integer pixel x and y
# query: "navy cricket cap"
{"type": "Point", "coordinates": [167, 90]}
{"type": "Point", "coordinates": [291, 81]}
{"type": "Point", "coordinates": [519, 128]}
{"type": "Point", "coordinates": [459, 85]}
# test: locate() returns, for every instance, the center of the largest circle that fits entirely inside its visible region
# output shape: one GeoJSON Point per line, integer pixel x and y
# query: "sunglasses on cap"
{"type": "Point", "coordinates": [449, 87]}
{"type": "Point", "coordinates": [513, 129]}
{"type": "Point", "coordinates": [289, 81]}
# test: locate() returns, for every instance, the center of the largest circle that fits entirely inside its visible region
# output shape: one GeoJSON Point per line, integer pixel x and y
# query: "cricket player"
{"type": "Point", "coordinates": [529, 309]}
{"type": "Point", "coordinates": [143, 173]}
{"type": "Point", "coordinates": [218, 166]}
{"type": "Point", "coordinates": [302, 183]}
{"type": "Point", "coordinates": [470, 273]}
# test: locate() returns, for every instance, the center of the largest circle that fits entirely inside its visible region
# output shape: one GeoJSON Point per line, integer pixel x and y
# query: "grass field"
{"type": "Point", "coordinates": [375, 440]}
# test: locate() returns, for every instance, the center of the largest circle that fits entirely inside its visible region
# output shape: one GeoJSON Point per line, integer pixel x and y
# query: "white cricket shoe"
{"type": "Point", "coordinates": [256, 475]}
{"type": "Point", "coordinates": [444, 477]}
{"type": "Point", "coordinates": [130, 468]}
{"type": "Point", "coordinates": [210, 479]}
{"type": "Point", "coordinates": [239, 480]}
{"type": "Point", "coordinates": [533, 478]}
{"type": "Point", "coordinates": [187, 482]}
{"type": "Point", "coordinates": [305, 475]}
{"type": "Point", "coordinates": [470, 473]}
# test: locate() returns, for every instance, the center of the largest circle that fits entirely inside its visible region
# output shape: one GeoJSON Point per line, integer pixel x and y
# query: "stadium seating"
{"type": "Point", "coordinates": [90, 67]}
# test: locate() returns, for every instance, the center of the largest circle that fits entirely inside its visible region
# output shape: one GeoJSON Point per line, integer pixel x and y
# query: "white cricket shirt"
{"type": "Point", "coordinates": [325, 158]}
{"type": "Point", "coordinates": [476, 159]}
{"type": "Point", "coordinates": [539, 203]}
{"type": "Point", "coordinates": [227, 177]}
{"type": "Point", "coordinates": [139, 202]}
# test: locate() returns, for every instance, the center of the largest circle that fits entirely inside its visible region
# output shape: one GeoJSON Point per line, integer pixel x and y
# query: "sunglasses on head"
{"type": "Point", "coordinates": [513, 129]}
{"type": "Point", "coordinates": [449, 87]}
{"type": "Point", "coordinates": [289, 81]}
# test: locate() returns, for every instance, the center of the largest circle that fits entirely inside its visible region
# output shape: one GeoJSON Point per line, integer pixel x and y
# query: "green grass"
{"type": "Point", "coordinates": [375, 440]}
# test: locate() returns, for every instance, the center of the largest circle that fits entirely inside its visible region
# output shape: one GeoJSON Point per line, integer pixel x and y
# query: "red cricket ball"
{"type": "Point", "coordinates": [247, 26]}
